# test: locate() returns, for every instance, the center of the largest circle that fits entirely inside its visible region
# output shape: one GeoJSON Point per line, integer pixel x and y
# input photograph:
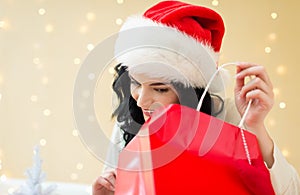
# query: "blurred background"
{"type": "Point", "coordinates": [43, 43]}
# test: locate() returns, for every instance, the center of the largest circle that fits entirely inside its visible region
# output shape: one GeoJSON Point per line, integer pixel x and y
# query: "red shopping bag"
{"type": "Point", "coordinates": [183, 151]}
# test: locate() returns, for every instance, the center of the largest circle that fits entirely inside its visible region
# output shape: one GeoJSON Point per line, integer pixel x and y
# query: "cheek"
{"type": "Point", "coordinates": [170, 99]}
{"type": "Point", "coordinates": [175, 99]}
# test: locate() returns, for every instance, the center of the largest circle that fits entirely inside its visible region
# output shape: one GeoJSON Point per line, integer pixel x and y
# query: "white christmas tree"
{"type": "Point", "coordinates": [33, 185]}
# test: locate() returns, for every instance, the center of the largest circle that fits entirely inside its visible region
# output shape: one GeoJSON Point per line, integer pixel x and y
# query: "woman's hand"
{"type": "Point", "coordinates": [260, 90]}
{"type": "Point", "coordinates": [105, 184]}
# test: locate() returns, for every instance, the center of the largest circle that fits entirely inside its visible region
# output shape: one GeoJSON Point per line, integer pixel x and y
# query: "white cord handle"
{"type": "Point", "coordinates": [244, 115]}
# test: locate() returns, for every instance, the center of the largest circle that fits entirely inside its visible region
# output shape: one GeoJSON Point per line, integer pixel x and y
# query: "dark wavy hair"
{"type": "Point", "coordinates": [130, 116]}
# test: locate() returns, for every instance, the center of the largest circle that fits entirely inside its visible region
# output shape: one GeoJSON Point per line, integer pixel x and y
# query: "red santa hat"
{"type": "Point", "coordinates": [175, 41]}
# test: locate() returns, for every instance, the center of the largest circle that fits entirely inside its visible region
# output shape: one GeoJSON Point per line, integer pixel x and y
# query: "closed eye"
{"type": "Point", "coordinates": [161, 90]}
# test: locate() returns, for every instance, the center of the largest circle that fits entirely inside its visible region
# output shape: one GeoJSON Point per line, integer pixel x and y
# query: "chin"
{"type": "Point", "coordinates": [146, 118]}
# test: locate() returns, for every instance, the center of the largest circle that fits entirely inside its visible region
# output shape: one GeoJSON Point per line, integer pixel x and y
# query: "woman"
{"type": "Point", "coordinates": [151, 77]}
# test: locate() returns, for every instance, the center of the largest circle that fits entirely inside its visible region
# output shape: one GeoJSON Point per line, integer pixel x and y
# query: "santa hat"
{"type": "Point", "coordinates": [175, 41]}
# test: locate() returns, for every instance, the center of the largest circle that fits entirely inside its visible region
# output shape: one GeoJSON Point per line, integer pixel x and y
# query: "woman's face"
{"type": "Point", "coordinates": [152, 93]}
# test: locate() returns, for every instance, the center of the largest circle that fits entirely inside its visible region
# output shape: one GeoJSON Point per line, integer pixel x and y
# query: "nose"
{"type": "Point", "coordinates": [143, 98]}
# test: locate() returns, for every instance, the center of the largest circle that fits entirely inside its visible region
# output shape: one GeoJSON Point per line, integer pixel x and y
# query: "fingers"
{"type": "Point", "coordinates": [259, 89]}
{"type": "Point", "coordinates": [247, 69]}
{"type": "Point", "coordinates": [255, 89]}
{"type": "Point", "coordinates": [106, 181]}
{"type": "Point", "coordinates": [261, 81]}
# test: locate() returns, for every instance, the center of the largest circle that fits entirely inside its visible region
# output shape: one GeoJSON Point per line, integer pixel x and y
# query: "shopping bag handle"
{"type": "Point", "coordinates": [244, 115]}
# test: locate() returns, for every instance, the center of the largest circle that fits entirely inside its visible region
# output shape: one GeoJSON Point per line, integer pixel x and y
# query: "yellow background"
{"type": "Point", "coordinates": [43, 43]}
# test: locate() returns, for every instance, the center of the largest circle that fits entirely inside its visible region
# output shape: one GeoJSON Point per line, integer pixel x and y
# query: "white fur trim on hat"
{"type": "Point", "coordinates": [160, 51]}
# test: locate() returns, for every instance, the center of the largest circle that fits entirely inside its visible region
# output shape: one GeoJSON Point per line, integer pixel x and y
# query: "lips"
{"type": "Point", "coordinates": [148, 113]}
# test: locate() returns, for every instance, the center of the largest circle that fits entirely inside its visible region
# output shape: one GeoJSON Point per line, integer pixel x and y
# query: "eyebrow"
{"type": "Point", "coordinates": [156, 84]}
